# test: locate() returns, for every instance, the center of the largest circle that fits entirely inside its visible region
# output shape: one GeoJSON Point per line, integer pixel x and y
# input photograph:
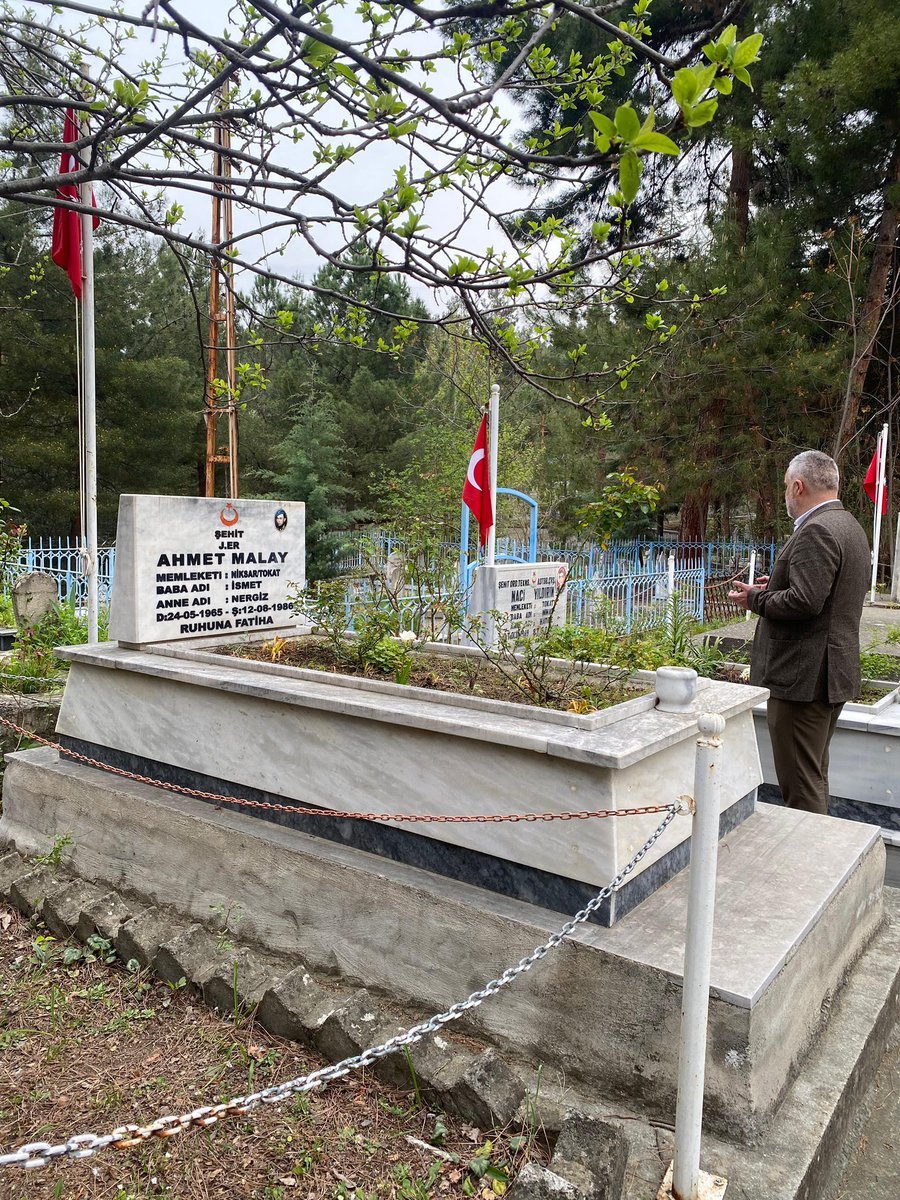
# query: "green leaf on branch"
{"type": "Point", "coordinates": [656, 143]}
{"type": "Point", "coordinates": [700, 114]}
{"type": "Point", "coordinates": [690, 83]}
{"type": "Point", "coordinates": [629, 175]}
{"type": "Point", "coordinates": [628, 125]}
{"type": "Point", "coordinates": [684, 86]}
{"type": "Point", "coordinates": [462, 266]}
{"type": "Point", "coordinates": [399, 131]}
{"type": "Point", "coordinates": [603, 124]}
{"type": "Point", "coordinates": [748, 50]}
{"type": "Point", "coordinates": [316, 53]}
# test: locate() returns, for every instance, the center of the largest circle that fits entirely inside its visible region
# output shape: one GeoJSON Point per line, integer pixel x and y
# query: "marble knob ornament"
{"type": "Point", "coordinates": [676, 689]}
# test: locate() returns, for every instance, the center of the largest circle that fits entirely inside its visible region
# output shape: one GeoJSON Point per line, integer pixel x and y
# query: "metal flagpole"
{"type": "Point", "coordinates": [493, 430]}
{"type": "Point", "coordinates": [880, 485]}
{"type": "Point", "coordinates": [89, 393]}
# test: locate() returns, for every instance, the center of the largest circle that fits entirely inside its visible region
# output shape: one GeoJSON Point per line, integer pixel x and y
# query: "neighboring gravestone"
{"type": "Point", "coordinates": [394, 572]}
{"type": "Point", "coordinates": [188, 567]}
{"type": "Point", "coordinates": [528, 596]}
{"type": "Point", "coordinates": [33, 596]}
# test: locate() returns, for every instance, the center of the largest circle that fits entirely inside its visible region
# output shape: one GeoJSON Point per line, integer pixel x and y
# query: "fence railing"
{"type": "Point", "coordinates": [606, 600]}
{"type": "Point", "coordinates": [616, 583]}
{"type": "Point", "coordinates": [620, 557]}
{"type": "Point", "coordinates": [59, 557]}
{"type": "Point", "coordinates": [625, 599]}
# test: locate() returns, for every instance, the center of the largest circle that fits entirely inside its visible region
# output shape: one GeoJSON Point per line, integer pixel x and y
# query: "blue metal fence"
{"type": "Point", "coordinates": [624, 600]}
{"type": "Point", "coordinates": [59, 557]}
{"type": "Point", "coordinates": [623, 578]}
{"type": "Point", "coordinates": [586, 561]}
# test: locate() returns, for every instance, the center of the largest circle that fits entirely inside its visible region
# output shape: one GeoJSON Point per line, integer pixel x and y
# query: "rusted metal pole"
{"type": "Point", "coordinates": [230, 335]}
{"type": "Point", "coordinates": [212, 347]}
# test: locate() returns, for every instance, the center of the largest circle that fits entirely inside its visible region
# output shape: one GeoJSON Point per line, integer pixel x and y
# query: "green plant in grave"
{"type": "Point", "coordinates": [362, 627]}
{"type": "Point", "coordinates": [324, 604]}
{"type": "Point", "coordinates": [527, 660]}
{"type": "Point", "coordinates": [879, 666]}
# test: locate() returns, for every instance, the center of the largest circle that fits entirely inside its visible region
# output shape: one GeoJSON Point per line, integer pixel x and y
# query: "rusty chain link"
{"type": "Point", "coordinates": [300, 811]}
{"type": "Point", "coordinates": [83, 1145]}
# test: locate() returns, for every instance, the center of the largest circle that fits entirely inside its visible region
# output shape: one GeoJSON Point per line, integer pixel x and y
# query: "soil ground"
{"type": "Point", "coordinates": [86, 1047]}
{"type": "Point", "coordinates": [872, 1169]}
{"type": "Point", "coordinates": [468, 676]}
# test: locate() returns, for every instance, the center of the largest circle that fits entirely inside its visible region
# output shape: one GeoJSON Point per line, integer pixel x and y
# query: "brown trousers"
{"type": "Point", "coordinates": [801, 733]}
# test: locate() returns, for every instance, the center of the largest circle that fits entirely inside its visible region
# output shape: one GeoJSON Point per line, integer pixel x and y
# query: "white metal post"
{"type": "Point", "coordinates": [751, 576]}
{"type": "Point", "coordinates": [493, 431]}
{"type": "Point", "coordinates": [89, 394]}
{"type": "Point", "coordinates": [880, 487]}
{"type": "Point", "coordinates": [697, 955]}
{"type": "Point", "coordinates": [670, 592]}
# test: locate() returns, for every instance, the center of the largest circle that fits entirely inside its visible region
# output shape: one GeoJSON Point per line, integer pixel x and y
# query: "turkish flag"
{"type": "Point", "coordinates": [870, 484]}
{"type": "Point", "coordinates": [477, 489]}
{"type": "Point", "coordinates": [66, 247]}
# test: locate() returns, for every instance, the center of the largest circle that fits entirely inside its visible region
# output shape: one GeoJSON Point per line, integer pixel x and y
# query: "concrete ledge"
{"type": "Point", "coordinates": [798, 897]}
{"type": "Point", "coordinates": [803, 1149]}
{"type": "Point", "coordinates": [799, 1154]}
{"type": "Point", "coordinates": [478, 1085]}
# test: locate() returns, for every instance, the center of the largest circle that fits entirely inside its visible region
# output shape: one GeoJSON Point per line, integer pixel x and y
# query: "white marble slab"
{"type": "Point", "coordinates": [189, 567]}
{"type": "Point", "coordinates": [528, 596]}
{"type": "Point", "coordinates": [322, 743]}
{"type": "Point", "coordinates": [864, 756]}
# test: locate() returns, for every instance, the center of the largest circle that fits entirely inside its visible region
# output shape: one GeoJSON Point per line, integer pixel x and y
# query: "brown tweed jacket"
{"type": "Point", "coordinates": [807, 640]}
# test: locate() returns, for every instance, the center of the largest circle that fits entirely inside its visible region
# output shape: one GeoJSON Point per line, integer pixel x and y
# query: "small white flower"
{"type": "Point", "coordinates": [408, 637]}
{"type": "Point", "coordinates": [745, 674]}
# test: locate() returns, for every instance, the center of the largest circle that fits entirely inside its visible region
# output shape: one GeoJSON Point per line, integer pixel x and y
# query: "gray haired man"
{"type": "Point", "coordinates": [806, 648]}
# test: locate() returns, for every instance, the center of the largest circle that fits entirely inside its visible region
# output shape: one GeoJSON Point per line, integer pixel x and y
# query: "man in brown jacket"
{"type": "Point", "coordinates": [806, 648]}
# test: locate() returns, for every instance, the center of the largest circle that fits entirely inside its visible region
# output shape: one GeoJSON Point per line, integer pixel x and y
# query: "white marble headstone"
{"type": "Point", "coordinates": [529, 596]}
{"type": "Point", "coordinates": [191, 567]}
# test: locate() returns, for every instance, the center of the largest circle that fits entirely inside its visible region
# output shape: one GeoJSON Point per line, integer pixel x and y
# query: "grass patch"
{"type": "Point", "coordinates": [87, 1046]}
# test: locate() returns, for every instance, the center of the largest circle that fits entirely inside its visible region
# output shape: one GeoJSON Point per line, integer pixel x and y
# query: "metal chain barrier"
{"type": "Point", "coordinates": [295, 810]}
{"type": "Point", "coordinates": [83, 1145]}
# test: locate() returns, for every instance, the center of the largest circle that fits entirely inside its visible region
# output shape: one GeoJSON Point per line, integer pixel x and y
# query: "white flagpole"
{"type": "Point", "coordinates": [493, 430]}
{"type": "Point", "coordinates": [880, 487]}
{"type": "Point", "coordinates": [89, 394]}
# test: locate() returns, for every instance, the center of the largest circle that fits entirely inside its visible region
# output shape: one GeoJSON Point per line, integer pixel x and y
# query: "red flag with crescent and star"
{"type": "Point", "coordinates": [870, 484]}
{"type": "Point", "coordinates": [477, 489]}
{"type": "Point", "coordinates": [66, 247]}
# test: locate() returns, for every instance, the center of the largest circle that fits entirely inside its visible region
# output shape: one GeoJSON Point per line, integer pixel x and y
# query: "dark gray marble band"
{"type": "Point", "coordinates": [884, 815]}
{"type": "Point", "coordinates": [418, 850]}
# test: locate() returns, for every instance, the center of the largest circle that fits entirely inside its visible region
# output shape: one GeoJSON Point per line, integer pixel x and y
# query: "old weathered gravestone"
{"type": "Point", "coordinates": [394, 572]}
{"type": "Point", "coordinates": [33, 596]}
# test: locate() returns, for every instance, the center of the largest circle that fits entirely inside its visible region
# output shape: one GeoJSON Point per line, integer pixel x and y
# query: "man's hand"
{"type": "Point", "coordinates": [740, 591]}
{"type": "Point", "coordinates": [761, 581]}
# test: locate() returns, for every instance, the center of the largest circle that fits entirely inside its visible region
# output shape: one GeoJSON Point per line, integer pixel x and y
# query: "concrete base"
{"type": "Point", "coordinates": [799, 898]}
{"type": "Point", "coordinates": [804, 1150]}
{"type": "Point", "coordinates": [864, 758]}
{"type": "Point", "coordinates": [269, 731]}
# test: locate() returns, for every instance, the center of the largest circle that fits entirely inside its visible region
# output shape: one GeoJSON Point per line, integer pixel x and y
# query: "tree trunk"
{"type": "Point", "coordinates": [739, 191]}
{"type": "Point", "coordinates": [695, 511]}
{"type": "Point", "coordinates": [870, 318]}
